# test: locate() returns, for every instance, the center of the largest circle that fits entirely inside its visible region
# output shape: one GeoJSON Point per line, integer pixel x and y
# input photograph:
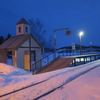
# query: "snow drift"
{"type": "Point", "coordinates": [10, 70]}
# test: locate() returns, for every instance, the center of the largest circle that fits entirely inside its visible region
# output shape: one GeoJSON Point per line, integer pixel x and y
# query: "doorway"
{"type": "Point", "coordinates": [33, 59]}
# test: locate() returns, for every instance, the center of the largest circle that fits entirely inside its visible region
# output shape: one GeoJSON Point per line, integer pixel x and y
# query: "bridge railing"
{"type": "Point", "coordinates": [44, 61]}
{"type": "Point", "coordinates": [70, 52]}
{"type": "Point", "coordinates": [53, 56]}
{"type": "Point", "coordinates": [82, 59]}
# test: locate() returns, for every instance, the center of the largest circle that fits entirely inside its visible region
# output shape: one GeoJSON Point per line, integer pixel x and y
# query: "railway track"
{"type": "Point", "coordinates": [67, 80]}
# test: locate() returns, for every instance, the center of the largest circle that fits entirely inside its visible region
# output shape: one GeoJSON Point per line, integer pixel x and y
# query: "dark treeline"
{"type": "Point", "coordinates": [2, 39]}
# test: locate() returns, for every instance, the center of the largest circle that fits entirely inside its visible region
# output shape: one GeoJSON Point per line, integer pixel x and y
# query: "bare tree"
{"type": "Point", "coordinates": [8, 36]}
{"type": "Point", "coordinates": [38, 31]}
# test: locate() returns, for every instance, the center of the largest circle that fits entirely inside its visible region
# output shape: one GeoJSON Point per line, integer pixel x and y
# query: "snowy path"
{"type": "Point", "coordinates": [52, 83]}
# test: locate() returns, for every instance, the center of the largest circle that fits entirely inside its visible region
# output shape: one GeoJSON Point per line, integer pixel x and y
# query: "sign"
{"type": "Point", "coordinates": [68, 32]}
{"type": "Point", "coordinates": [73, 46]}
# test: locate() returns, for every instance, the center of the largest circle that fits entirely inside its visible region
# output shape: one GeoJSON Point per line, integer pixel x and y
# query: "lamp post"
{"type": "Point", "coordinates": [90, 46]}
{"type": "Point", "coordinates": [55, 39]}
{"type": "Point", "coordinates": [80, 37]}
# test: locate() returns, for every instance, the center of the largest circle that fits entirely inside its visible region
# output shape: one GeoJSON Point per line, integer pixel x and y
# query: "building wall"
{"type": "Point", "coordinates": [28, 31]}
{"type": "Point", "coordinates": [38, 57]}
{"type": "Point", "coordinates": [23, 59]}
{"type": "Point", "coordinates": [33, 43]}
{"type": "Point", "coordinates": [14, 58]}
{"type": "Point", "coordinates": [20, 58]}
{"type": "Point", "coordinates": [3, 56]}
{"type": "Point", "coordinates": [38, 51]}
{"type": "Point", "coordinates": [22, 29]}
{"type": "Point", "coordinates": [38, 54]}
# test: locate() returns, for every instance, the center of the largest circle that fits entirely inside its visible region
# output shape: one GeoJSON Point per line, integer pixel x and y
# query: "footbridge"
{"type": "Point", "coordinates": [52, 62]}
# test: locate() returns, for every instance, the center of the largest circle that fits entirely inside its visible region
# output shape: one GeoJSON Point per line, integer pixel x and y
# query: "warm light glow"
{"type": "Point", "coordinates": [81, 33]}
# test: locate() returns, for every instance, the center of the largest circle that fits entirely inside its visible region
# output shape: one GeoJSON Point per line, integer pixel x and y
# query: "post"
{"type": "Point", "coordinates": [54, 44]}
{"type": "Point", "coordinates": [84, 60]}
{"type": "Point", "coordinates": [90, 46]}
{"type": "Point", "coordinates": [30, 51]}
{"type": "Point", "coordinates": [80, 45]}
{"type": "Point", "coordinates": [75, 62]}
{"type": "Point", "coordinates": [80, 37]}
{"type": "Point", "coordinates": [55, 39]}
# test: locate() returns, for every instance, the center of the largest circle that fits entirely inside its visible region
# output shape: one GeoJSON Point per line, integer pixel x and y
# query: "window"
{"type": "Point", "coordinates": [26, 29]}
{"type": "Point", "coordinates": [32, 55]}
{"type": "Point", "coordinates": [19, 29]}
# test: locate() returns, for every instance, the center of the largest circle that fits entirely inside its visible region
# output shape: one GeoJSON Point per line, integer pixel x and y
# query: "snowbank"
{"type": "Point", "coordinates": [10, 70]}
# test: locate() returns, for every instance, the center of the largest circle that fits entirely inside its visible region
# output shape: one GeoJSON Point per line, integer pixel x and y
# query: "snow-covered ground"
{"type": "Point", "coordinates": [73, 83]}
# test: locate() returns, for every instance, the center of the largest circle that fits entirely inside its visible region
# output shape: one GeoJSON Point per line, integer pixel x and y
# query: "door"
{"type": "Point", "coordinates": [33, 59]}
{"type": "Point", "coordinates": [27, 60]}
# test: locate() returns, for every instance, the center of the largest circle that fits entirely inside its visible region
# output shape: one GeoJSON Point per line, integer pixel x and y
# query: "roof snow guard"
{"type": "Point", "coordinates": [23, 21]}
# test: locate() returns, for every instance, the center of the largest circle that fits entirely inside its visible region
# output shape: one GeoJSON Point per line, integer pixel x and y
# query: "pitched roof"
{"type": "Point", "coordinates": [22, 21]}
{"type": "Point", "coordinates": [16, 41]}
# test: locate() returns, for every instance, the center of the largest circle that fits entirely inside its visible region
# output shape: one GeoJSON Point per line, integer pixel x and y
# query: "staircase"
{"type": "Point", "coordinates": [57, 64]}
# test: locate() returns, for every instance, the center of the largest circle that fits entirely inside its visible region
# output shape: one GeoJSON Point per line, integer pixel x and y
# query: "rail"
{"type": "Point", "coordinates": [44, 62]}
{"type": "Point", "coordinates": [85, 58]}
{"type": "Point", "coordinates": [37, 66]}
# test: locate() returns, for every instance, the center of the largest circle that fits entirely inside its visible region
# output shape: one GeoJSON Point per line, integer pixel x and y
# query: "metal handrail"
{"type": "Point", "coordinates": [39, 61]}
{"type": "Point", "coordinates": [46, 60]}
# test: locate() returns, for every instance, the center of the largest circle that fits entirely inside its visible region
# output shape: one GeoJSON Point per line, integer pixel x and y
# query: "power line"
{"type": "Point", "coordinates": [8, 24]}
{"type": "Point", "coordinates": [9, 13]}
{"type": "Point", "coordinates": [20, 17]}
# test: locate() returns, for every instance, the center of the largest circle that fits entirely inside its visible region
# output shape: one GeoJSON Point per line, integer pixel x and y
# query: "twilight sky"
{"type": "Point", "coordinates": [77, 15]}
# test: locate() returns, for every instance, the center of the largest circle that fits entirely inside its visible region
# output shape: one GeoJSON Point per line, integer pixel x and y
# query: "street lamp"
{"type": "Point", "coordinates": [90, 46]}
{"type": "Point", "coordinates": [55, 38]}
{"type": "Point", "coordinates": [80, 37]}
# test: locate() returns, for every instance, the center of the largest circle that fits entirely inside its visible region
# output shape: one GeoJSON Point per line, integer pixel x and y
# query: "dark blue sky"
{"type": "Point", "coordinates": [77, 15]}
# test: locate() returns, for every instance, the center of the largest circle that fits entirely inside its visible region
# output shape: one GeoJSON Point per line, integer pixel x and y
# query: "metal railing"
{"type": "Point", "coordinates": [82, 59]}
{"type": "Point", "coordinates": [37, 66]}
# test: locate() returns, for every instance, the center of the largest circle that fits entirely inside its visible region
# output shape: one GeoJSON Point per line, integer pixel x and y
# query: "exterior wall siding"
{"type": "Point", "coordinates": [38, 57]}
{"type": "Point", "coordinates": [33, 43]}
{"type": "Point", "coordinates": [21, 57]}
{"type": "Point", "coordinates": [28, 29]}
{"type": "Point", "coordinates": [3, 56]}
{"type": "Point", "coordinates": [22, 30]}
{"type": "Point", "coordinates": [14, 62]}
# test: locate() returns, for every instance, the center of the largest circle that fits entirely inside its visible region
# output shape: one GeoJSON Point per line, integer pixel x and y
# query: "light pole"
{"type": "Point", "coordinates": [90, 46]}
{"type": "Point", "coordinates": [55, 39]}
{"type": "Point", "coordinates": [80, 37]}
